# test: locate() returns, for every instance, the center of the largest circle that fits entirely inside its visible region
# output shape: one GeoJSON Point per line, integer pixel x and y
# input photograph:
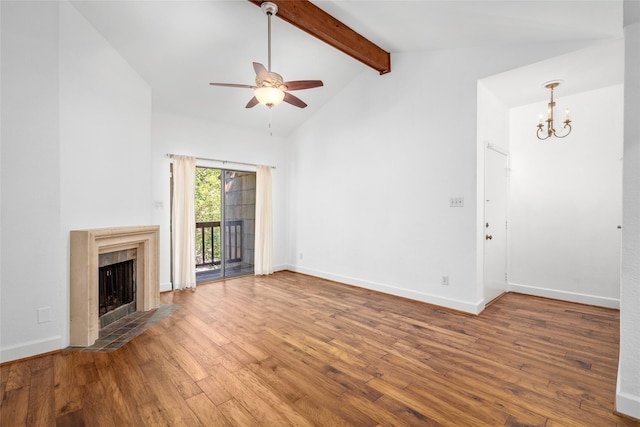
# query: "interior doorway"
{"type": "Point", "coordinates": [565, 195]}
{"type": "Point", "coordinates": [225, 223]}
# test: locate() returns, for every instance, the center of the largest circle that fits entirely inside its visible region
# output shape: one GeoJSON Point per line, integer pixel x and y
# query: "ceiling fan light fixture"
{"type": "Point", "coordinates": [269, 96]}
{"type": "Point", "coordinates": [270, 89]}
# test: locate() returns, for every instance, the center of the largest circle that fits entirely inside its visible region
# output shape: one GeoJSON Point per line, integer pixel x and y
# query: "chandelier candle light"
{"type": "Point", "coordinates": [551, 131]}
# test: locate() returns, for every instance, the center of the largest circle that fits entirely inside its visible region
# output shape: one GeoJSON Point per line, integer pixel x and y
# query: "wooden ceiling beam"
{"type": "Point", "coordinates": [313, 20]}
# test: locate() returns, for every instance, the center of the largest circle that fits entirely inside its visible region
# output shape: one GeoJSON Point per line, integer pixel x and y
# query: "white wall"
{"type": "Point", "coordinates": [1, 133]}
{"type": "Point", "coordinates": [628, 389]}
{"type": "Point", "coordinates": [105, 131]}
{"type": "Point", "coordinates": [1, 175]}
{"type": "Point", "coordinates": [372, 173]}
{"type": "Point", "coordinates": [566, 200]}
{"type": "Point", "coordinates": [32, 262]}
{"type": "Point", "coordinates": [74, 113]}
{"type": "Point", "coordinates": [176, 134]}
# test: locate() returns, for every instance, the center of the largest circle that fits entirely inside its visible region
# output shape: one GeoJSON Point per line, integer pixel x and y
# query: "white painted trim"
{"type": "Point", "coordinates": [465, 306]}
{"type": "Point", "coordinates": [626, 403]}
{"type": "Point", "coordinates": [30, 348]}
{"type": "Point", "coordinates": [280, 267]}
{"type": "Point", "coordinates": [166, 287]}
{"type": "Point", "coordinates": [498, 149]}
{"type": "Point", "coordinates": [564, 295]}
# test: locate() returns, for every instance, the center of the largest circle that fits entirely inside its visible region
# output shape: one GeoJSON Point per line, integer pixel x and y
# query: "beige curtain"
{"type": "Point", "coordinates": [184, 222]}
{"type": "Point", "coordinates": [263, 263]}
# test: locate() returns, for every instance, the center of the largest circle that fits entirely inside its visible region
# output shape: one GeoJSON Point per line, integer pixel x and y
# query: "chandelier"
{"type": "Point", "coordinates": [551, 131]}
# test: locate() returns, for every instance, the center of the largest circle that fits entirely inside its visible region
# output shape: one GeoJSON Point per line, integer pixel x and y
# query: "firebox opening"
{"type": "Point", "coordinates": [116, 287]}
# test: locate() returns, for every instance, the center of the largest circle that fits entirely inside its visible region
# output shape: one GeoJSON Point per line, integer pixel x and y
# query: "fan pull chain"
{"type": "Point", "coordinates": [270, 122]}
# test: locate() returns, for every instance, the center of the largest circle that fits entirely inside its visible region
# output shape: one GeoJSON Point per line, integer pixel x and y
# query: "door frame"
{"type": "Point", "coordinates": [223, 271]}
{"type": "Point", "coordinates": [497, 149]}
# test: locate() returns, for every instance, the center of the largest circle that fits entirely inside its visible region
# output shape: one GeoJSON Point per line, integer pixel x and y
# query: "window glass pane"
{"type": "Point", "coordinates": [229, 197]}
{"type": "Point", "coordinates": [208, 215]}
{"type": "Point", "coordinates": [240, 210]}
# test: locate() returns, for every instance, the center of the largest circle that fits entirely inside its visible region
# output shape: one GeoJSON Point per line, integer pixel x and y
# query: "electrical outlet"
{"type": "Point", "coordinates": [44, 314]}
{"type": "Point", "coordinates": [456, 202]}
{"type": "Point", "coordinates": [445, 281]}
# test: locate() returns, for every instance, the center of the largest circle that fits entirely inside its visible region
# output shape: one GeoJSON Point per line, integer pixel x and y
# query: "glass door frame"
{"type": "Point", "coordinates": [223, 236]}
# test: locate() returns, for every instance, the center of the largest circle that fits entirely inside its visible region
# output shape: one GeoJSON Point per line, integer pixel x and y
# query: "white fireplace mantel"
{"type": "Point", "coordinates": [86, 246]}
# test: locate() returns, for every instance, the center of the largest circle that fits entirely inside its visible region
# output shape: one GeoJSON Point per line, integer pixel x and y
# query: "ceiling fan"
{"type": "Point", "coordinates": [270, 88]}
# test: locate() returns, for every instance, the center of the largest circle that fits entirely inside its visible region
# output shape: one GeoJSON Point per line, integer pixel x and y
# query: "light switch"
{"type": "Point", "coordinates": [456, 202]}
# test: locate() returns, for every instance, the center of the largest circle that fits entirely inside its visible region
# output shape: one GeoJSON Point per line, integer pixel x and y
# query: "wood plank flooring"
{"type": "Point", "coordinates": [295, 350]}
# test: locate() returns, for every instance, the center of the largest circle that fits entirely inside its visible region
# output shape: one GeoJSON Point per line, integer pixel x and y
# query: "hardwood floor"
{"type": "Point", "coordinates": [295, 350]}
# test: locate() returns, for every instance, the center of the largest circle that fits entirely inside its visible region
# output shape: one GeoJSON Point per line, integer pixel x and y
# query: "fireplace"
{"type": "Point", "coordinates": [110, 246]}
{"type": "Point", "coordinates": [116, 285]}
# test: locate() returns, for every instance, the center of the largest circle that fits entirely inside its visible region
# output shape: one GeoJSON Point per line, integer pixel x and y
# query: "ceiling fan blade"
{"type": "Point", "coordinates": [232, 85]}
{"type": "Point", "coordinates": [261, 72]}
{"type": "Point", "coordinates": [252, 102]}
{"type": "Point", "coordinates": [303, 84]}
{"type": "Point", "coordinates": [293, 100]}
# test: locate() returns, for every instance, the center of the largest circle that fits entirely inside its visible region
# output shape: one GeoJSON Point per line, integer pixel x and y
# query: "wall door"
{"type": "Point", "coordinates": [225, 223]}
{"type": "Point", "coordinates": [239, 214]}
{"type": "Point", "coordinates": [496, 182]}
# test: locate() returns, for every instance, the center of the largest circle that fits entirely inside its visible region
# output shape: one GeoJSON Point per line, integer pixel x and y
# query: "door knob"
{"type": "Point", "coordinates": [488, 237]}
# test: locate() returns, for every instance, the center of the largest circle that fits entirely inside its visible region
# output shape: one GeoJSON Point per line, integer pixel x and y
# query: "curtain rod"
{"type": "Point", "coordinates": [171, 155]}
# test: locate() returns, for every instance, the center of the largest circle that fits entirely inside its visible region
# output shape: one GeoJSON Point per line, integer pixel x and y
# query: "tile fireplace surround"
{"type": "Point", "coordinates": [86, 245]}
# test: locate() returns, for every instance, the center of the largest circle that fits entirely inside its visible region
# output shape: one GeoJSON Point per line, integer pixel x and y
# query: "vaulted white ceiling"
{"type": "Point", "coordinates": [178, 47]}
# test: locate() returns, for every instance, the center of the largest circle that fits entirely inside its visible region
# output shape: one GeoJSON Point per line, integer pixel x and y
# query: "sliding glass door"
{"type": "Point", "coordinates": [239, 217]}
{"type": "Point", "coordinates": [225, 223]}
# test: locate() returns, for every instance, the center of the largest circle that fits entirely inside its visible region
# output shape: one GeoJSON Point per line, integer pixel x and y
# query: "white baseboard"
{"type": "Point", "coordinates": [465, 306]}
{"type": "Point", "coordinates": [565, 296]}
{"type": "Point", "coordinates": [30, 348]}
{"type": "Point", "coordinates": [627, 404]}
{"type": "Point", "coordinates": [166, 287]}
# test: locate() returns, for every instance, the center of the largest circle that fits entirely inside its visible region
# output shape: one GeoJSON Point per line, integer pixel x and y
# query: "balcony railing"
{"type": "Point", "coordinates": [208, 243]}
